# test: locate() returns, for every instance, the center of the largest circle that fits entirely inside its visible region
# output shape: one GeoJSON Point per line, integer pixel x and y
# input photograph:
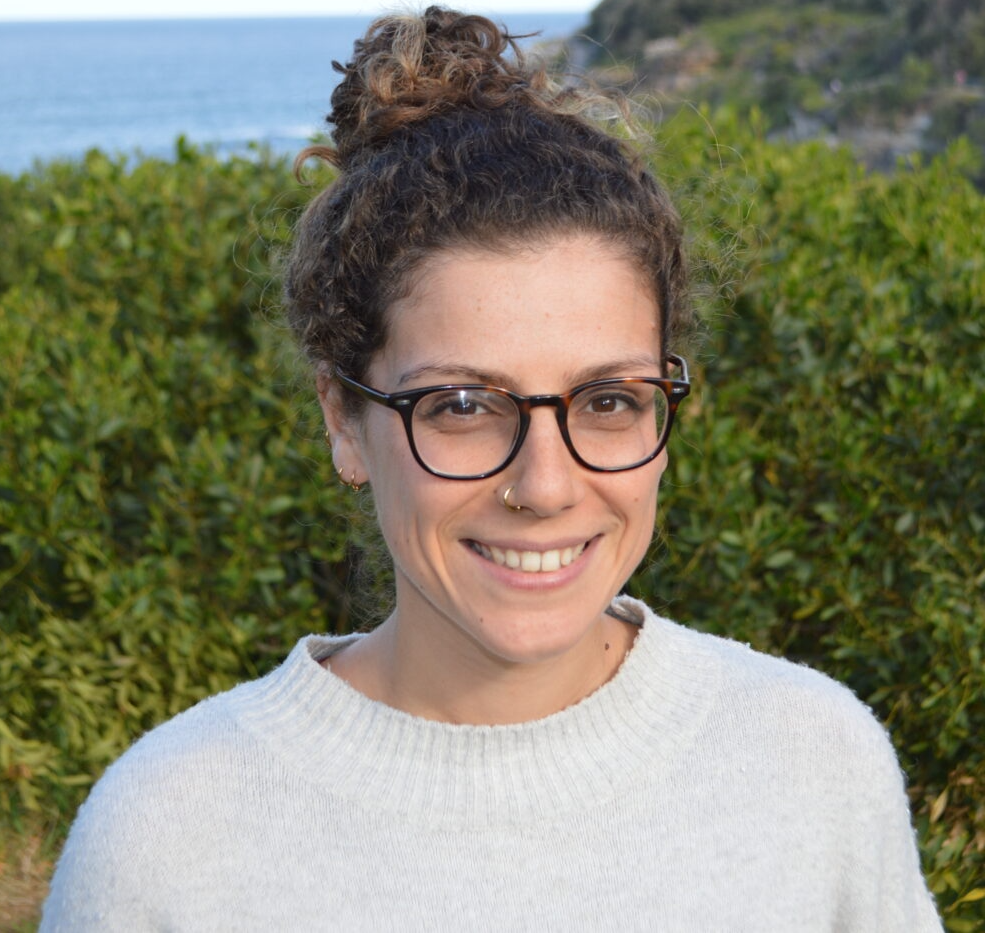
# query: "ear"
{"type": "Point", "coordinates": [342, 431]}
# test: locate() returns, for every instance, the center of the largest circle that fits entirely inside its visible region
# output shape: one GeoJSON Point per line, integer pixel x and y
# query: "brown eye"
{"type": "Point", "coordinates": [450, 405]}
{"type": "Point", "coordinates": [609, 400]}
{"type": "Point", "coordinates": [463, 405]}
{"type": "Point", "coordinates": [606, 404]}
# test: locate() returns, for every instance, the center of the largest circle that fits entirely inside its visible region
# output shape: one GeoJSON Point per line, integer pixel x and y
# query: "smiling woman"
{"type": "Point", "coordinates": [493, 297]}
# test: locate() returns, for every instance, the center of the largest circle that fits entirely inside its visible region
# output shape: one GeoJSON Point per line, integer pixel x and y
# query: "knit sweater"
{"type": "Point", "coordinates": [705, 787]}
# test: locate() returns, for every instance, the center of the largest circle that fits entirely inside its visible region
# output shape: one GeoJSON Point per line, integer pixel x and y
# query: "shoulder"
{"type": "Point", "coordinates": [231, 731]}
{"type": "Point", "coordinates": [776, 706]}
{"type": "Point", "coordinates": [792, 762]}
{"type": "Point", "coordinates": [794, 694]}
{"type": "Point", "coordinates": [178, 788]}
{"type": "Point", "coordinates": [117, 853]}
{"type": "Point", "coordinates": [164, 766]}
{"type": "Point", "coordinates": [794, 746]}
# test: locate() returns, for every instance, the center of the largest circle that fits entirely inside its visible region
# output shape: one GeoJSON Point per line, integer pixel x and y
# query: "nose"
{"type": "Point", "coordinates": [545, 476]}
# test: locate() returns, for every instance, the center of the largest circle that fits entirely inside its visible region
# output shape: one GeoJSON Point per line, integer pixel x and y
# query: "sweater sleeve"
{"type": "Point", "coordinates": [905, 902]}
{"type": "Point", "coordinates": [829, 783]}
{"type": "Point", "coordinates": [98, 884]}
{"type": "Point", "coordinates": [882, 886]}
{"type": "Point", "coordinates": [139, 836]}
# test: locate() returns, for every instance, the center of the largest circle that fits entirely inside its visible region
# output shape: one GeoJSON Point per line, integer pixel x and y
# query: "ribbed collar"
{"type": "Point", "coordinates": [463, 775]}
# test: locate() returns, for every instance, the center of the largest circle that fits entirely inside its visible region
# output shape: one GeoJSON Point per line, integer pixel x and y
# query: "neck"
{"type": "Point", "coordinates": [453, 680]}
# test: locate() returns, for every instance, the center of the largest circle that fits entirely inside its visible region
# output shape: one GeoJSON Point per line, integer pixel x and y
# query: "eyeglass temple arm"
{"type": "Point", "coordinates": [365, 391]}
{"type": "Point", "coordinates": [681, 363]}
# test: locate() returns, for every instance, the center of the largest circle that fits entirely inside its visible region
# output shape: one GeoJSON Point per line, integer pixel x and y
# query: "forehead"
{"type": "Point", "coordinates": [536, 316]}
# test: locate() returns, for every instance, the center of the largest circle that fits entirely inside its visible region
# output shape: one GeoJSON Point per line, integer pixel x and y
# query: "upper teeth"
{"type": "Point", "coordinates": [530, 561]}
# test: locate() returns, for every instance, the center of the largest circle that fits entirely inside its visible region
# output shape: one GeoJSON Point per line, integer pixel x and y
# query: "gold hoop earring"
{"type": "Point", "coordinates": [506, 500]}
{"type": "Point", "coordinates": [351, 482]}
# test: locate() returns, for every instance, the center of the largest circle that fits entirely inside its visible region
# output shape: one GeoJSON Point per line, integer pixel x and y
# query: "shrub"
{"type": "Point", "coordinates": [166, 527]}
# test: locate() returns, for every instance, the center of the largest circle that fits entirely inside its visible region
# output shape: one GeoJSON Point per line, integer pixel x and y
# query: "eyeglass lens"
{"type": "Point", "coordinates": [467, 432]}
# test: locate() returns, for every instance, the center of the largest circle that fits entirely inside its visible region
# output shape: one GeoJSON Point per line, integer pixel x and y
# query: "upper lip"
{"type": "Point", "coordinates": [558, 545]}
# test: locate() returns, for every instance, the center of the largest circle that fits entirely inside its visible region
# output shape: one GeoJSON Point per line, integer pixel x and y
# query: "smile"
{"type": "Point", "coordinates": [529, 561]}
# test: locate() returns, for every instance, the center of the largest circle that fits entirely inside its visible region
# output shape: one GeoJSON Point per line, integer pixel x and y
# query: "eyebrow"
{"type": "Point", "coordinates": [453, 373]}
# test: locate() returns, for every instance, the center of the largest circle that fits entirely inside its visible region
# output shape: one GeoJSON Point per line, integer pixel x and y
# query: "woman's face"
{"type": "Point", "coordinates": [534, 322]}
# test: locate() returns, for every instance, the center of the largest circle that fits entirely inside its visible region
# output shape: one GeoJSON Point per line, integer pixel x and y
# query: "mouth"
{"type": "Point", "coordinates": [529, 561]}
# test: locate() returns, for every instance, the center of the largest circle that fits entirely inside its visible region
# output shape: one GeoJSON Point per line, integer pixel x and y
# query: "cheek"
{"type": "Point", "coordinates": [659, 468]}
{"type": "Point", "coordinates": [394, 478]}
{"type": "Point", "coordinates": [642, 507]}
{"type": "Point", "coordinates": [385, 450]}
{"type": "Point", "coordinates": [415, 510]}
{"type": "Point", "coordinates": [647, 492]}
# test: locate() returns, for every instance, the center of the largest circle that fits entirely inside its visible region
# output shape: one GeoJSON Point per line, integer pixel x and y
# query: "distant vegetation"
{"type": "Point", "coordinates": [169, 520]}
{"type": "Point", "coordinates": [888, 75]}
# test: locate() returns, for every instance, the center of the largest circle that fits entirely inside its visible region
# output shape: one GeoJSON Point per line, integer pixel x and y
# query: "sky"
{"type": "Point", "coordinates": [154, 9]}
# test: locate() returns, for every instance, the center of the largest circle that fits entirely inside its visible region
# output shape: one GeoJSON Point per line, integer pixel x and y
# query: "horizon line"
{"type": "Point", "coordinates": [218, 15]}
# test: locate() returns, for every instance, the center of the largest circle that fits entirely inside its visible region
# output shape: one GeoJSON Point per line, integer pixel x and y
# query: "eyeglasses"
{"type": "Point", "coordinates": [475, 431]}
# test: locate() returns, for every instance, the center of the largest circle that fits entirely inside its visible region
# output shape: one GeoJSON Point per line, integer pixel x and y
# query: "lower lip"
{"type": "Point", "coordinates": [541, 580]}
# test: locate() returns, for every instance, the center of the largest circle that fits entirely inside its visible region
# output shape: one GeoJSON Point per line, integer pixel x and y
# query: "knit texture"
{"type": "Point", "coordinates": [706, 787]}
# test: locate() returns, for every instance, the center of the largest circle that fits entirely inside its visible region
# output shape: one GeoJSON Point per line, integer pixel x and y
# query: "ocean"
{"type": "Point", "coordinates": [135, 86]}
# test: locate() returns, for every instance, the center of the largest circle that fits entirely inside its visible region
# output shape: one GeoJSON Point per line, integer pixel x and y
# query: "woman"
{"type": "Point", "coordinates": [492, 294]}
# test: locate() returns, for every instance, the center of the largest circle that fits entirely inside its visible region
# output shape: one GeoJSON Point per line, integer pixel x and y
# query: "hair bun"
{"type": "Point", "coordinates": [408, 68]}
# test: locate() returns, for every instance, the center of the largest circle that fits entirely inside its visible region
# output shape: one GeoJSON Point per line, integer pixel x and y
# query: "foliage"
{"type": "Point", "coordinates": [951, 33]}
{"type": "Point", "coordinates": [845, 66]}
{"type": "Point", "coordinates": [786, 61]}
{"type": "Point", "coordinates": [961, 114]}
{"type": "Point", "coordinates": [623, 25]}
{"type": "Point", "coordinates": [167, 526]}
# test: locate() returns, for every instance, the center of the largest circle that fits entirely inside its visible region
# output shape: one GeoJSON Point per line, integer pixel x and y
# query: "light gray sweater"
{"type": "Point", "coordinates": [706, 787]}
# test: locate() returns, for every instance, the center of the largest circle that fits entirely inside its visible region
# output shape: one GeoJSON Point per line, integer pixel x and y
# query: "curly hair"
{"type": "Point", "coordinates": [446, 139]}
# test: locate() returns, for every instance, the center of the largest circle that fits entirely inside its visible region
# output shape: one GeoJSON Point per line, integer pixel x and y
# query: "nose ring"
{"type": "Point", "coordinates": [506, 500]}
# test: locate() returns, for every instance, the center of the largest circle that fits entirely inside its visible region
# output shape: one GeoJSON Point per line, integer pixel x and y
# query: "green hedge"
{"type": "Point", "coordinates": [169, 522]}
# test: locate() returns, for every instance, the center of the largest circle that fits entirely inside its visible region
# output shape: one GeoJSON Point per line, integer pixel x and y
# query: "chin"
{"type": "Point", "coordinates": [537, 641]}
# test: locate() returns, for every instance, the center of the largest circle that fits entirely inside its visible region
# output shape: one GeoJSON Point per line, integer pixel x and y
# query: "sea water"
{"type": "Point", "coordinates": [136, 86]}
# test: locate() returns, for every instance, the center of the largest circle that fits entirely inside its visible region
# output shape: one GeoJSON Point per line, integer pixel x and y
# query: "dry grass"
{"type": "Point", "coordinates": [27, 858]}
